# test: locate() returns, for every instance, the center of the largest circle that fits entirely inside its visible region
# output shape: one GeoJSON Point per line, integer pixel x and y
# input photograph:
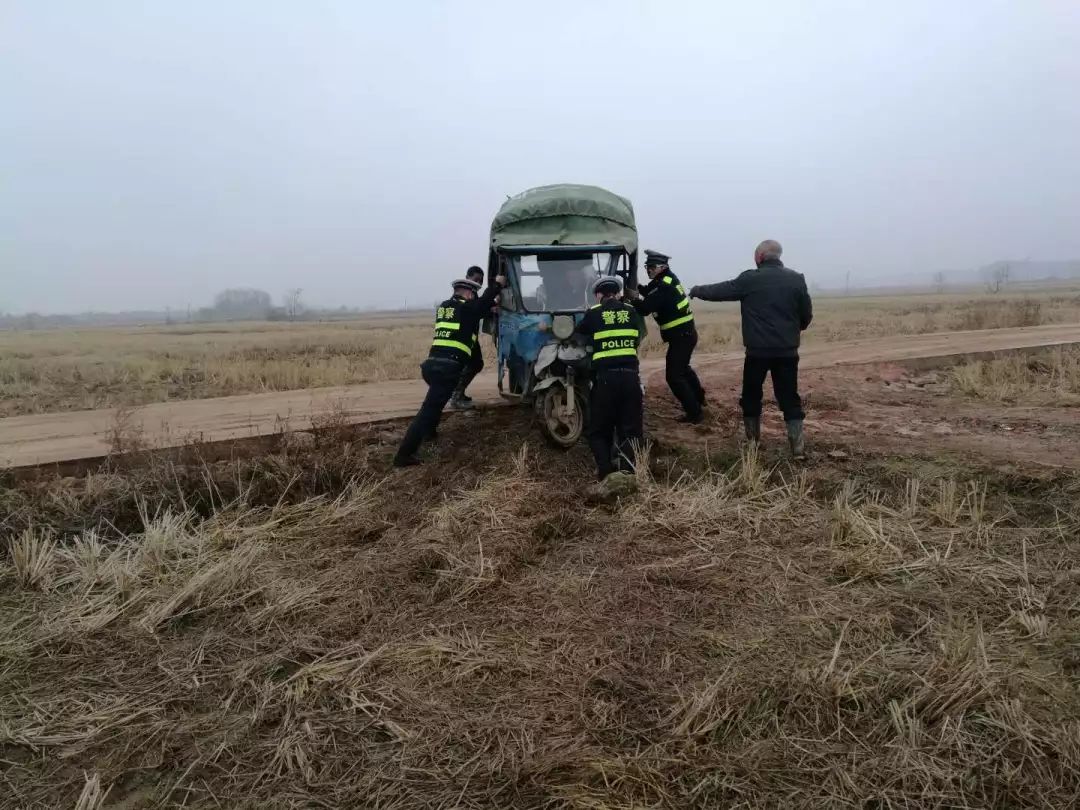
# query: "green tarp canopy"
{"type": "Point", "coordinates": [565, 214]}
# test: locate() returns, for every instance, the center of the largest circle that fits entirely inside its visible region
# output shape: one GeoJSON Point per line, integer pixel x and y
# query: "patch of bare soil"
{"type": "Point", "coordinates": [889, 408]}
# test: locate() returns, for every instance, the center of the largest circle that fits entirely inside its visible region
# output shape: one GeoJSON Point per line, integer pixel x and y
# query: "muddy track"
{"type": "Point", "coordinates": [53, 438]}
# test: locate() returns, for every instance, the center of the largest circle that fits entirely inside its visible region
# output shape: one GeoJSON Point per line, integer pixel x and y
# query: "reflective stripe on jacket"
{"type": "Point", "coordinates": [614, 331]}
{"type": "Point", "coordinates": [666, 299]}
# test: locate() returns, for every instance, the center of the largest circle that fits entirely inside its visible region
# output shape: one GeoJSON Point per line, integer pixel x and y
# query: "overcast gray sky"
{"type": "Point", "coordinates": [152, 153]}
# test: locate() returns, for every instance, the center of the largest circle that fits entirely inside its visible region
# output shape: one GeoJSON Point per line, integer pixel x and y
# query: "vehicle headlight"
{"type": "Point", "coordinates": [562, 326]}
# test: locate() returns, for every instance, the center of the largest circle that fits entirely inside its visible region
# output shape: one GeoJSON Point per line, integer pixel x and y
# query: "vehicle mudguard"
{"type": "Point", "coordinates": [547, 382]}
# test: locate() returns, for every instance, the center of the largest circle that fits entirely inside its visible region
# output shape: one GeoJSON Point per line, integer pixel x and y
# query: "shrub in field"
{"type": "Point", "coordinates": [1000, 314]}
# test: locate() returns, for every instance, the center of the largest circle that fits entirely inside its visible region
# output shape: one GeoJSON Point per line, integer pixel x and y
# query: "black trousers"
{"type": "Point", "coordinates": [681, 379]}
{"type": "Point", "coordinates": [472, 368]}
{"type": "Point", "coordinates": [441, 374]}
{"type": "Point", "coordinates": [785, 380]}
{"type": "Point", "coordinates": [616, 418]}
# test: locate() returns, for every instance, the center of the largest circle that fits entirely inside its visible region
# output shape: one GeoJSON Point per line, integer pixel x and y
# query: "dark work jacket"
{"type": "Point", "coordinates": [665, 298]}
{"type": "Point", "coordinates": [457, 325]}
{"type": "Point", "coordinates": [775, 305]}
{"type": "Point", "coordinates": [614, 332]}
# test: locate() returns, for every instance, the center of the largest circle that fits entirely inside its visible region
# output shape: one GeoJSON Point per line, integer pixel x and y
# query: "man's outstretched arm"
{"type": "Point", "coordinates": [733, 290]}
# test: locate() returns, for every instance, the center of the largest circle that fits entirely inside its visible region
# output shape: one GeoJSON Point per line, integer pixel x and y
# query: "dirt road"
{"type": "Point", "coordinates": [51, 438]}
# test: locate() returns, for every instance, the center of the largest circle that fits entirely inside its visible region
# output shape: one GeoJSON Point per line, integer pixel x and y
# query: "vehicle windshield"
{"type": "Point", "coordinates": [559, 282]}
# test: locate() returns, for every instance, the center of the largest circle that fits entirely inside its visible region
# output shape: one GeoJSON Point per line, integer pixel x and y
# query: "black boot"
{"type": "Point", "coordinates": [753, 428]}
{"type": "Point", "coordinates": [460, 402]}
{"type": "Point", "coordinates": [796, 439]}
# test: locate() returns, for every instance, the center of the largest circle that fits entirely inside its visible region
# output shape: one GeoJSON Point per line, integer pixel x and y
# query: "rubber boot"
{"type": "Point", "coordinates": [753, 428]}
{"type": "Point", "coordinates": [796, 438]}
{"type": "Point", "coordinates": [460, 402]}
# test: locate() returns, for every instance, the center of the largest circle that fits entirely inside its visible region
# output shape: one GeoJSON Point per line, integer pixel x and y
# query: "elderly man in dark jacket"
{"type": "Point", "coordinates": [776, 309]}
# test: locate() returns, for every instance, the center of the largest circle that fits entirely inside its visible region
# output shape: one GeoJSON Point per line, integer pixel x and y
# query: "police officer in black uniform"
{"type": "Point", "coordinates": [457, 321]}
{"type": "Point", "coordinates": [460, 401]}
{"type": "Point", "coordinates": [665, 298]}
{"type": "Point", "coordinates": [614, 331]}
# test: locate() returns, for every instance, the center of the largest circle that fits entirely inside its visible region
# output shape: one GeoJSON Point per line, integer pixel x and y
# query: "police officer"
{"type": "Point", "coordinates": [614, 331]}
{"type": "Point", "coordinates": [456, 323]}
{"type": "Point", "coordinates": [665, 298]}
{"type": "Point", "coordinates": [460, 401]}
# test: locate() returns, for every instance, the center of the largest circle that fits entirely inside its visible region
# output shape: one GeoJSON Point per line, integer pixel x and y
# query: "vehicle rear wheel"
{"type": "Point", "coordinates": [560, 428]}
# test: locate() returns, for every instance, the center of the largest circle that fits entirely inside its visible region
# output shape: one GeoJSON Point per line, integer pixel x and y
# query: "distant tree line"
{"type": "Point", "coordinates": [37, 320]}
{"type": "Point", "coordinates": [238, 304]}
{"type": "Point", "coordinates": [249, 304]}
{"type": "Point", "coordinates": [234, 304]}
{"type": "Point", "coordinates": [1001, 274]}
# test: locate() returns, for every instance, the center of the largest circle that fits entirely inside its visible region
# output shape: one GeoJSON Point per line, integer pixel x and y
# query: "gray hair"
{"type": "Point", "coordinates": [769, 249]}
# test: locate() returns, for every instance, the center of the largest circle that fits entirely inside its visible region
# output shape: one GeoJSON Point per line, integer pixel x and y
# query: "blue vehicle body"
{"type": "Point", "coordinates": [519, 343]}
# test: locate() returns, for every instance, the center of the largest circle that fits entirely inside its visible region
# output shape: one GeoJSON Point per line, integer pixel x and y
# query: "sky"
{"type": "Point", "coordinates": [153, 153]}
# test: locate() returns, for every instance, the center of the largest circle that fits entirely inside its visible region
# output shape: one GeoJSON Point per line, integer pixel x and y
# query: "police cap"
{"type": "Point", "coordinates": [655, 257]}
{"type": "Point", "coordinates": [465, 283]}
{"type": "Point", "coordinates": [607, 284]}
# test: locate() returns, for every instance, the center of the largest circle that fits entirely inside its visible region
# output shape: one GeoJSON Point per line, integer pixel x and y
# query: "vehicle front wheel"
{"type": "Point", "coordinates": [560, 428]}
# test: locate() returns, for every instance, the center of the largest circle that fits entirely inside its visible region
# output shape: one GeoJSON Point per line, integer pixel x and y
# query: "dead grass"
{"type": "Point", "coordinates": [854, 318]}
{"type": "Point", "coordinates": [56, 370]}
{"type": "Point", "coordinates": [52, 370]}
{"type": "Point", "coordinates": [32, 556]}
{"type": "Point", "coordinates": [309, 630]}
{"type": "Point", "coordinates": [92, 797]}
{"type": "Point", "coordinates": [1047, 378]}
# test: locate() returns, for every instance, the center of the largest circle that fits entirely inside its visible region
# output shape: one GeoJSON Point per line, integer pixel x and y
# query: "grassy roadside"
{"type": "Point", "coordinates": [58, 370]}
{"type": "Point", "coordinates": [1047, 378]}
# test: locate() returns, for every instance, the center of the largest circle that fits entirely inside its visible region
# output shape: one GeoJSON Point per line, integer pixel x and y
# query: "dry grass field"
{"type": "Point", "coordinates": [1048, 378]}
{"type": "Point", "coordinates": [894, 624]}
{"type": "Point", "coordinates": [56, 370]}
{"type": "Point", "coordinates": [309, 629]}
